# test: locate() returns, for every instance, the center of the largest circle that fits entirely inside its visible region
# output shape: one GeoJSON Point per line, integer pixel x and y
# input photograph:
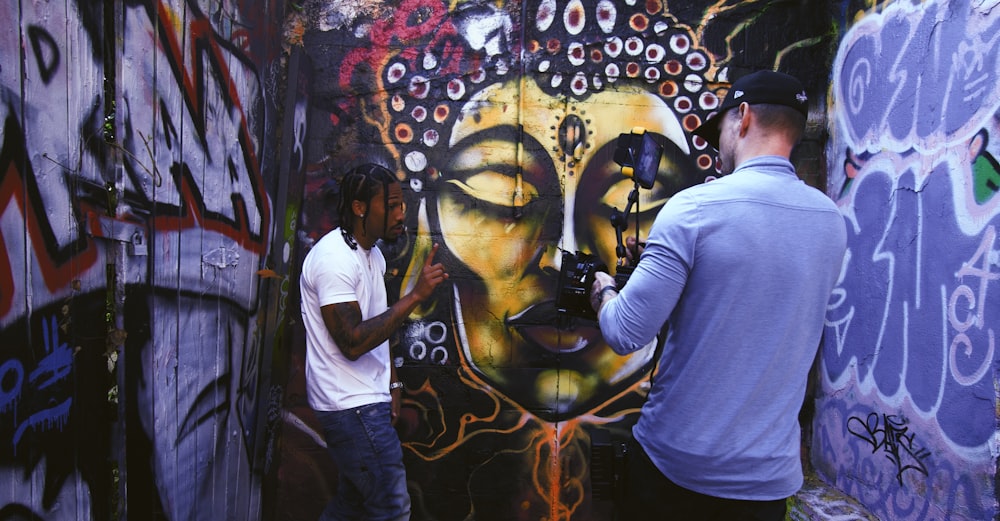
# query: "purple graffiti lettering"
{"type": "Point", "coordinates": [906, 86]}
{"type": "Point", "coordinates": [58, 363]}
{"type": "Point", "coordinates": [12, 374]}
{"type": "Point", "coordinates": [982, 259]}
{"type": "Point", "coordinates": [977, 267]}
{"type": "Point", "coordinates": [206, 108]}
{"type": "Point", "coordinates": [47, 419]}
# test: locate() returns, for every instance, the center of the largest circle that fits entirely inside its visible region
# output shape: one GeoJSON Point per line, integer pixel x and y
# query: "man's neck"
{"type": "Point", "coordinates": [762, 148]}
{"type": "Point", "coordinates": [364, 242]}
{"type": "Point", "coordinates": [362, 239]}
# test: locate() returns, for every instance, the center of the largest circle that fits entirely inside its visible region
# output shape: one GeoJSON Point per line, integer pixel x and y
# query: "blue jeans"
{"type": "Point", "coordinates": [369, 460]}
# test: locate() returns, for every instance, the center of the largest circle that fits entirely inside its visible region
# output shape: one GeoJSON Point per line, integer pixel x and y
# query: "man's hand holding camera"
{"type": "Point", "coordinates": [633, 250]}
{"type": "Point", "coordinates": [604, 288]}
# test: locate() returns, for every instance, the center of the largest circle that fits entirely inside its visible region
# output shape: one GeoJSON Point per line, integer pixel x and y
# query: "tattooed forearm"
{"type": "Point", "coordinates": [356, 337]}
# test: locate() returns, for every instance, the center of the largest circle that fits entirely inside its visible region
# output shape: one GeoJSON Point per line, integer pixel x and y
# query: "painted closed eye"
{"type": "Point", "coordinates": [617, 196]}
{"type": "Point", "coordinates": [484, 173]}
{"type": "Point", "coordinates": [676, 172]}
{"type": "Point", "coordinates": [494, 188]}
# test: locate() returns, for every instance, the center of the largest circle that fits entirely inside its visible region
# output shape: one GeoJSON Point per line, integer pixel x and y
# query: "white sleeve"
{"type": "Point", "coordinates": [334, 276]}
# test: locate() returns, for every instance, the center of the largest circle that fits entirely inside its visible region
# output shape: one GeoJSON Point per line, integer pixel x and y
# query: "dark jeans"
{"type": "Point", "coordinates": [369, 459]}
{"type": "Point", "coordinates": [648, 494]}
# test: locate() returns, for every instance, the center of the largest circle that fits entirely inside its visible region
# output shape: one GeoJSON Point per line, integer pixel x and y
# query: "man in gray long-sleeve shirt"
{"type": "Point", "coordinates": [742, 268]}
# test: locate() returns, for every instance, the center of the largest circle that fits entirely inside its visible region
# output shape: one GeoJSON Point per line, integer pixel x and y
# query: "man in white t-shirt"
{"type": "Point", "coordinates": [351, 383]}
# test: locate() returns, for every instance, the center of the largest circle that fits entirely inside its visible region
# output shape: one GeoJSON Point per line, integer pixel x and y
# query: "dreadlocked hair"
{"type": "Point", "coordinates": [362, 183]}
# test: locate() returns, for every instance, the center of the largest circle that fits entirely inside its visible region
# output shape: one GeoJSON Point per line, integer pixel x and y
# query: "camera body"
{"type": "Point", "coordinates": [607, 466]}
{"type": "Point", "coordinates": [576, 280]}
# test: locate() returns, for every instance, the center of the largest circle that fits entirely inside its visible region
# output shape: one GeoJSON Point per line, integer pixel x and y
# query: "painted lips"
{"type": "Point", "coordinates": [542, 325]}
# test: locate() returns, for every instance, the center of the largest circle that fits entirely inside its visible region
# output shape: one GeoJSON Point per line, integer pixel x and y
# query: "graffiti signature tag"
{"type": "Point", "coordinates": [893, 440]}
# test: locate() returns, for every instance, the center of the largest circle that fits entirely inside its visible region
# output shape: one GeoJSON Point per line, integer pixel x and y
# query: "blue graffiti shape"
{"type": "Point", "coordinates": [54, 367]}
{"type": "Point", "coordinates": [913, 319]}
{"type": "Point", "coordinates": [858, 332]}
{"type": "Point", "coordinates": [894, 441]}
{"type": "Point", "coordinates": [11, 378]}
{"type": "Point", "coordinates": [920, 76]}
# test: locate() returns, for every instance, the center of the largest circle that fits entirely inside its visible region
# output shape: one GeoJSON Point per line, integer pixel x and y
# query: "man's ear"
{"type": "Point", "coordinates": [746, 114]}
{"type": "Point", "coordinates": [359, 208]}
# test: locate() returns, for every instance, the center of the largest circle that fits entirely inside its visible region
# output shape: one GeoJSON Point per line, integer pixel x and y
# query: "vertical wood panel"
{"type": "Point", "coordinates": [14, 348]}
{"type": "Point", "coordinates": [183, 170]}
{"type": "Point", "coordinates": [56, 428]}
{"type": "Point", "coordinates": [194, 124]}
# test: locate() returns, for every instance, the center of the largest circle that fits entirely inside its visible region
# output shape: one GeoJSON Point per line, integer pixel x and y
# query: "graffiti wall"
{"type": "Point", "coordinates": [502, 121]}
{"type": "Point", "coordinates": [136, 173]}
{"type": "Point", "coordinates": [907, 417]}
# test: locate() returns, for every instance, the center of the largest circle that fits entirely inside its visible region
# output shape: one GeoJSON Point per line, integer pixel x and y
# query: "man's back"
{"type": "Point", "coordinates": [756, 254]}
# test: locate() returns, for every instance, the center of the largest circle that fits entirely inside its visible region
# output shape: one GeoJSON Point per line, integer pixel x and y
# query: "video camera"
{"type": "Point", "coordinates": [639, 156]}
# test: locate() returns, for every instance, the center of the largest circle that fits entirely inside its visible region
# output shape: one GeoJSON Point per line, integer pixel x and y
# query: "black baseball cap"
{"type": "Point", "coordinates": [771, 87]}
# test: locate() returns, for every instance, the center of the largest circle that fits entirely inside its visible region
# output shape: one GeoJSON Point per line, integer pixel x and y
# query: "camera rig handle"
{"type": "Point", "coordinates": [639, 155]}
{"type": "Point", "coordinates": [619, 221]}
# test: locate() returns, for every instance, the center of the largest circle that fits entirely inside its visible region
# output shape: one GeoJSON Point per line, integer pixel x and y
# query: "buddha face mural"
{"type": "Point", "coordinates": [528, 176]}
{"type": "Point", "coordinates": [501, 120]}
{"type": "Point", "coordinates": [505, 141]}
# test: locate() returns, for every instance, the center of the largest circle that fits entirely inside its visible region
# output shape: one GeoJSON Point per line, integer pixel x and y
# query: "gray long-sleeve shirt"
{"type": "Point", "coordinates": [742, 267]}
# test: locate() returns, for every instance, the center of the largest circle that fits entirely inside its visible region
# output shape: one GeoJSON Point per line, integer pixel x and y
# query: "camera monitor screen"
{"type": "Point", "coordinates": [639, 155]}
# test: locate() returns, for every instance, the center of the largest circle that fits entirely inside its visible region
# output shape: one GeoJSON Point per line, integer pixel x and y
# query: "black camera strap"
{"type": "Point", "coordinates": [661, 341]}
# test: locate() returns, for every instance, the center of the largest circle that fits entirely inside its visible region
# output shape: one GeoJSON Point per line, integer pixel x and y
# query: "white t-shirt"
{"type": "Point", "coordinates": [333, 273]}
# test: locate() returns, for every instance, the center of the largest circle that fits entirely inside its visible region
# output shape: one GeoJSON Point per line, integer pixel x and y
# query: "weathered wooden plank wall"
{"type": "Point", "coordinates": [139, 163]}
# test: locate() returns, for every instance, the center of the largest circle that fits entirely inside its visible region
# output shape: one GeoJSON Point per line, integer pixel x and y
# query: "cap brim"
{"type": "Point", "coordinates": [709, 130]}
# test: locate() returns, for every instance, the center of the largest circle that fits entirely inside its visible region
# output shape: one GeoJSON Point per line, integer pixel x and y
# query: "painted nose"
{"type": "Point", "coordinates": [550, 259]}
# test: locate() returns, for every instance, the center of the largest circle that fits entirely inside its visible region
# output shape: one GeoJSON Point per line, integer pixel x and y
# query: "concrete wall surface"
{"type": "Point", "coordinates": [473, 103]}
{"type": "Point", "coordinates": [906, 417]}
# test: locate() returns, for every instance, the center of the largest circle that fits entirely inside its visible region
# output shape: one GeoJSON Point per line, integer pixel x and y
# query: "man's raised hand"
{"type": "Point", "coordinates": [430, 276]}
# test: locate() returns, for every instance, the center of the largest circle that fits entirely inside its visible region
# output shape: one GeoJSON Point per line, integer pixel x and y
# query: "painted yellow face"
{"type": "Point", "coordinates": [507, 211]}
